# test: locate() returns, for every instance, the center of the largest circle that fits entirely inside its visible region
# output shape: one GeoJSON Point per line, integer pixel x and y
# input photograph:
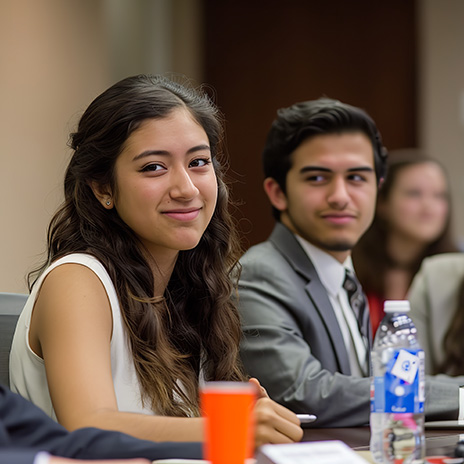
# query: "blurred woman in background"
{"type": "Point", "coordinates": [412, 222]}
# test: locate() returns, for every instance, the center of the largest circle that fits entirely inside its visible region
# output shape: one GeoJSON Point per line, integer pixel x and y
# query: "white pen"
{"type": "Point", "coordinates": [306, 418]}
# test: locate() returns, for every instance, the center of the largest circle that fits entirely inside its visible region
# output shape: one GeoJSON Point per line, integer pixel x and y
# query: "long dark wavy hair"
{"type": "Point", "coordinates": [196, 326]}
{"type": "Point", "coordinates": [370, 255]}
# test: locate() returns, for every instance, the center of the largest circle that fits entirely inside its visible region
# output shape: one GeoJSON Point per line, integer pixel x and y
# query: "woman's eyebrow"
{"type": "Point", "coordinates": [167, 153]}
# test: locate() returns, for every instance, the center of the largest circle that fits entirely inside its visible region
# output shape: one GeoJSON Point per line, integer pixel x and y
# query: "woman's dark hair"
{"type": "Point", "coordinates": [307, 119]}
{"type": "Point", "coordinates": [196, 326]}
{"type": "Point", "coordinates": [370, 255]}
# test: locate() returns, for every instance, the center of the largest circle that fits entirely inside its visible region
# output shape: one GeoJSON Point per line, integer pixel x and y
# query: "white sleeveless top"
{"type": "Point", "coordinates": [27, 370]}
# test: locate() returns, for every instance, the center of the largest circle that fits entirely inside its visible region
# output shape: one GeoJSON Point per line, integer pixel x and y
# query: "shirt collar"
{"type": "Point", "coordinates": [330, 271]}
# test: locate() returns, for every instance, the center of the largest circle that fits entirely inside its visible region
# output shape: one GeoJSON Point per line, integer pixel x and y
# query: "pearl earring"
{"type": "Point", "coordinates": [108, 202]}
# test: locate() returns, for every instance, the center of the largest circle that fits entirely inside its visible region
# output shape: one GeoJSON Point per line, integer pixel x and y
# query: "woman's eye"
{"type": "Point", "coordinates": [442, 196]}
{"type": "Point", "coordinates": [153, 167]}
{"type": "Point", "coordinates": [200, 162]}
{"type": "Point", "coordinates": [413, 193]}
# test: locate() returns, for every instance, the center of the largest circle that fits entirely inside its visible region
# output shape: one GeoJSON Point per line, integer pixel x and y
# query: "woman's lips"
{"type": "Point", "coordinates": [183, 215]}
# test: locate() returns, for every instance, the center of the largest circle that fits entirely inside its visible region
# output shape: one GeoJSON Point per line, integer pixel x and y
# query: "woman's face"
{"type": "Point", "coordinates": [166, 187]}
{"type": "Point", "coordinates": [417, 206]}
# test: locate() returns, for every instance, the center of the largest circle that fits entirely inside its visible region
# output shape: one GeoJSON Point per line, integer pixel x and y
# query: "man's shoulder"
{"type": "Point", "coordinates": [281, 246]}
{"type": "Point", "coordinates": [261, 260]}
{"type": "Point", "coordinates": [265, 257]}
{"type": "Point", "coordinates": [258, 251]}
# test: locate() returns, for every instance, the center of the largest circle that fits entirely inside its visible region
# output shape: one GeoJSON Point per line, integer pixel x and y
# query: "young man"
{"type": "Point", "coordinates": [306, 325]}
{"type": "Point", "coordinates": [28, 436]}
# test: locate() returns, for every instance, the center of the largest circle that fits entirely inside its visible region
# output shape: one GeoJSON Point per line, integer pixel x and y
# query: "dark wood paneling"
{"type": "Point", "coordinates": [264, 55]}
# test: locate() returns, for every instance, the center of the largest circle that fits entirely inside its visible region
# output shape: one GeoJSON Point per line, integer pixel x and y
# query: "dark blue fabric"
{"type": "Point", "coordinates": [16, 456]}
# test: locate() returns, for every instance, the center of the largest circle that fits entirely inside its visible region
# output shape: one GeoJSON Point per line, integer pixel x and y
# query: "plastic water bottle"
{"type": "Point", "coordinates": [397, 389]}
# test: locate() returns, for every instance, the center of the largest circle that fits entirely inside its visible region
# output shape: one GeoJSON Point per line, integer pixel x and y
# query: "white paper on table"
{"type": "Point", "coordinates": [192, 461]}
{"type": "Point", "coordinates": [320, 452]}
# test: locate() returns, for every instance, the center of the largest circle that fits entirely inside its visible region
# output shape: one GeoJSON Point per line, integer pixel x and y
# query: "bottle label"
{"type": "Point", "coordinates": [402, 389]}
{"type": "Point", "coordinates": [406, 366]}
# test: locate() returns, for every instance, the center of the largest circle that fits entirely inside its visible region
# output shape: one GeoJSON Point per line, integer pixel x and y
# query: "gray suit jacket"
{"type": "Point", "coordinates": [293, 343]}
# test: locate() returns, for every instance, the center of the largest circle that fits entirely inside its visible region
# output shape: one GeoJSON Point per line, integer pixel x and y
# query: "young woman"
{"type": "Point", "coordinates": [132, 308]}
{"type": "Point", "coordinates": [412, 222]}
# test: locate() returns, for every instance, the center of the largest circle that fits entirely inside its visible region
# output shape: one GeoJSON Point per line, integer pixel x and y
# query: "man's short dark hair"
{"type": "Point", "coordinates": [303, 120]}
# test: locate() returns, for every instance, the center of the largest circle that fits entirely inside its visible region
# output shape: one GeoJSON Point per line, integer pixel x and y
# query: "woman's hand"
{"type": "Point", "coordinates": [57, 460]}
{"type": "Point", "coordinates": [273, 422]}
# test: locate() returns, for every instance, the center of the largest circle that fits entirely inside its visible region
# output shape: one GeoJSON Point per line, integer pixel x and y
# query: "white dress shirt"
{"type": "Point", "coordinates": [332, 275]}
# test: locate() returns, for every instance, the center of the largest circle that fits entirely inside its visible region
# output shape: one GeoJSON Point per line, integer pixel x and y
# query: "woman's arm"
{"type": "Point", "coordinates": [58, 460]}
{"type": "Point", "coordinates": [71, 330]}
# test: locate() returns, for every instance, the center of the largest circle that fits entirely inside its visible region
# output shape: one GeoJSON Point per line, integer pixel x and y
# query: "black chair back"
{"type": "Point", "coordinates": [11, 305]}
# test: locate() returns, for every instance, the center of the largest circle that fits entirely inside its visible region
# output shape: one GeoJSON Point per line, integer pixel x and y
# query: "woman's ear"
{"type": "Point", "coordinates": [275, 194]}
{"type": "Point", "coordinates": [102, 194]}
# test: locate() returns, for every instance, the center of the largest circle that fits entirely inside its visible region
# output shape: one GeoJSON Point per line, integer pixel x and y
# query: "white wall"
{"type": "Point", "coordinates": [441, 92]}
{"type": "Point", "coordinates": [55, 57]}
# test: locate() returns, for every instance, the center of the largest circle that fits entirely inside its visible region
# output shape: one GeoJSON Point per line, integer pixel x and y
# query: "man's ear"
{"type": "Point", "coordinates": [102, 194]}
{"type": "Point", "coordinates": [275, 194]}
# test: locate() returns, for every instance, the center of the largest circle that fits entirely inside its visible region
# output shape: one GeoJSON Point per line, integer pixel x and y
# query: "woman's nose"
{"type": "Point", "coordinates": [182, 185]}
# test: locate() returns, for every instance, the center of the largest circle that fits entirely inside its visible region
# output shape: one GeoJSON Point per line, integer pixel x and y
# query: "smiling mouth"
{"type": "Point", "coordinates": [183, 214]}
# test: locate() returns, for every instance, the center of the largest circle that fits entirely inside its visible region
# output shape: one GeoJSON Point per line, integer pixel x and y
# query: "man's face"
{"type": "Point", "coordinates": [331, 191]}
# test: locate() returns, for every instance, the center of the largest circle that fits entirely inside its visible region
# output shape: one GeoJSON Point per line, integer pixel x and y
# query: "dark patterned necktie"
{"type": "Point", "coordinates": [356, 298]}
{"type": "Point", "coordinates": [359, 306]}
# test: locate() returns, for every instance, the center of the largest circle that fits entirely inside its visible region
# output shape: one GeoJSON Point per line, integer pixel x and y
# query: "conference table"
{"type": "Point", "coordinates": [438, 441]}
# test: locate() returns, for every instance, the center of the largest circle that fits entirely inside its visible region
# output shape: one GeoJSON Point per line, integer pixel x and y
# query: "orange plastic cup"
{"type": "Point", "coordinates": [229, 421]}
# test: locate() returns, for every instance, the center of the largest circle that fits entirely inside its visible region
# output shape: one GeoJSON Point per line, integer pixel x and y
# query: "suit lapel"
{"type": "Point", "coordinates": [288, 246]}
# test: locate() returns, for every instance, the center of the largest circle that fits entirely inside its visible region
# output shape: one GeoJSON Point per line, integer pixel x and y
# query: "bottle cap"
{"type": "Point", "coordinates": [396, 306]}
